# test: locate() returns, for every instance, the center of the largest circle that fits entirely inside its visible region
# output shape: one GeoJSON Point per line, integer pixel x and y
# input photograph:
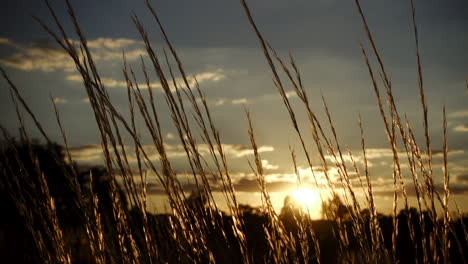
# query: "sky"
{"type": "Point", "coordinates": [217, 45]}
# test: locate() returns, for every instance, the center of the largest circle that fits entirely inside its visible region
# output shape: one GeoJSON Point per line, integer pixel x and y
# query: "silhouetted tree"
{"type": "Point", "coordinates": [31, 171]}
{"type": "Point", "coordinates": [31, 175]}
{"type": "Point", "coordinates": [335, 209]}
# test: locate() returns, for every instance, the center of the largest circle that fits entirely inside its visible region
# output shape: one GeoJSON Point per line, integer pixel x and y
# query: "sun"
{"type": "Point", "coordinates": [308, 199]}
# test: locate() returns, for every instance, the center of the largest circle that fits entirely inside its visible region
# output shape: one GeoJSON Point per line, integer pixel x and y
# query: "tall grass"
{"type": "Point", "coordinates": [196, 230]}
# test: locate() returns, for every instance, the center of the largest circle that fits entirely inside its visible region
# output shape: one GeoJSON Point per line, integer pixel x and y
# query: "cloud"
{"type": "Point", "coordinates": [93, 153]}
{"type": "Point", "coordinates": [440, 153]}
{"type": "Point", "coordinates": [266, 165]}
{"type": "Point", "coordinates": [107, 49]}
{"type": "Point", "coordinates": [212, 76]}
{"type": "Point", "coordinates": [112, 83]}
{"type": "Point", "coordinates": [239, 101]}
{"type": "Point", "coordinates": [74, 78]}
{"type": "Point", "coordinates": [458, 114]}
{"type": "Point", "coordinates": [202, 77]}
{"type": "Point", "coordinates": [220, 102]}
{"type": "Point", "coordinates": [319, 174]}
{"type": "Point", "coordinates": [232, 150]}
{"type": "Point", "coordinates": [461, 128]}
{"type": "Point", "coordinates": [60, 100]}
{"type": "Point", "coordinates": [291, 94]}
{"type": "Point", "coordinates": [110, 43]}
{"type": "Point", "coordinates": [455, 188]}
{"type": "Point", "coordinates": [241, 182]}
{"type": "Point", "coordinates": [382, 153]}
{"type": "Point", "coordinates": [358, 159]}
{"type": "Point", "coordinates": [170, 136]}
{"type": "Point", "coordinates": [40, 56]}
{"type": "Point", "coordinates": [251, 185]}
{"type": "Point", "coordinates": [46, 56]}
{"type": "Point", "coordinates": [107, 82]}
{"type": "Point", "coordinates": [239, 151]}
{"type": "Point", "coordinates": [378, 153]}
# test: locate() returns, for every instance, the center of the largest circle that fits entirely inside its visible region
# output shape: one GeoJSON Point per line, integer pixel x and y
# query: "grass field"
{"type": "Point", "coordinates": [58, 211]}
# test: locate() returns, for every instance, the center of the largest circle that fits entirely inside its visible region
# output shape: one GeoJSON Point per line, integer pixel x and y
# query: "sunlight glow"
{"type": "Point", "coordinates": [308, 199]}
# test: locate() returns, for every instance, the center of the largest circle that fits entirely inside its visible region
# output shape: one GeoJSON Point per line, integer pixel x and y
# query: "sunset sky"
{"type": "Point", "coordinates": [217, 45]}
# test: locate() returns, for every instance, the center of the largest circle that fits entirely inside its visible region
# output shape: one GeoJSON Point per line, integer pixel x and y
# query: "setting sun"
{"type": "Point", "coordinates": [307, 198]}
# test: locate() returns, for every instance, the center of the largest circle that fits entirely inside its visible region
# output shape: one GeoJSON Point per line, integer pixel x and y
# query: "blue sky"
{"type": "Point", "coordinates": [217, 45]}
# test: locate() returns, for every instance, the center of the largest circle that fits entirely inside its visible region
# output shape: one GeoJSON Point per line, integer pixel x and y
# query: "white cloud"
{"type": "Point", "coordinates": [235, 150]}
{"type": "Point", "coordinates": [107, 49]}
{"type": "Point", "coordinates": [107, 82]}
{"type": "Point", "coordinates": [39, 58]}
{"type": "Point", "coordinates": [48, 57]}
{"type": "Point", "coordinates": [93, 153]}
{"type": "Point", "coordinates": [112, 83]}
{"type": "Point", "coordinates": [212, 76]}
{"type": "Point", "coordinates": [291, 94]}
{"type": "Point", "coordinates": [110, 43]}
{"type": "Point", "coordinates": [382, 153]}
{"type": "Point", "coordinates": [202, 77]}
{"type": "Point", "coordinates": [87, 153]}
{"type": "Point", "coordinates": [60, 100]}
{"type": "Point", "coordinates": [308, 174]}
{"type": "Point", "coordinates": [170, 136]}
{"type": "Point", "coordinates": [268, 166]}
{"type": "Point", "coordinates": [231, 150]}
{"type": "Point", "coordinates": [461, 128]}
{"type": "Point", "coordinates": [383, 157]}
{"type": "Point", "coordinates": [220, 102]}
{"type": "Point", "coordinates": [376, 153]}
{"type": "Point", "coordinates": [458, 114]}
{"type": "Point", "coordinates": [239, 101]}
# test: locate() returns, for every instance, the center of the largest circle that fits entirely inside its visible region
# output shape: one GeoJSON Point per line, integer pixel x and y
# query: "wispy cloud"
{"type": "Point", "coordinates": [232, 150]}
{"type": "Point", "coordinates": [291, 94]}
{"type": "Point", "coordinates": [48, 57]}
{"type": "Point", "coordinates": [219, 102]}
{"type": "Point", "coordinates": [251, 185]}
{"type": "Point", "coordinates": [239, 101]}
{"type": "Point", "coordinates": [40, 56]}
{"type": "Point", "coordinates": [382, 153]}
{"type": "Point", "coordinates": [60, 100]}
{"type": "Point", "coordinates": [266, 165]}
{"type": "Point", "coordinates": [240, 151]}
{"type": "Point", "coordinates": [107, 82]}
{"type": "Point", "coordinates": [455, 188]}
{"type": "Point", "coordinates": [111, 43]}
{"type": "Point", "coordinates": [317, 173]}
{"type": "Point", "coordinates": [170, 136]}
{"type": "Point", "coordinates": [93, 153]}
{"type": "Point", "coordinates": [458, 114]}
{"type": "Point", "coordinates": [461, 128]}
{"type": "Point", "coordinates": [202, 77]}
